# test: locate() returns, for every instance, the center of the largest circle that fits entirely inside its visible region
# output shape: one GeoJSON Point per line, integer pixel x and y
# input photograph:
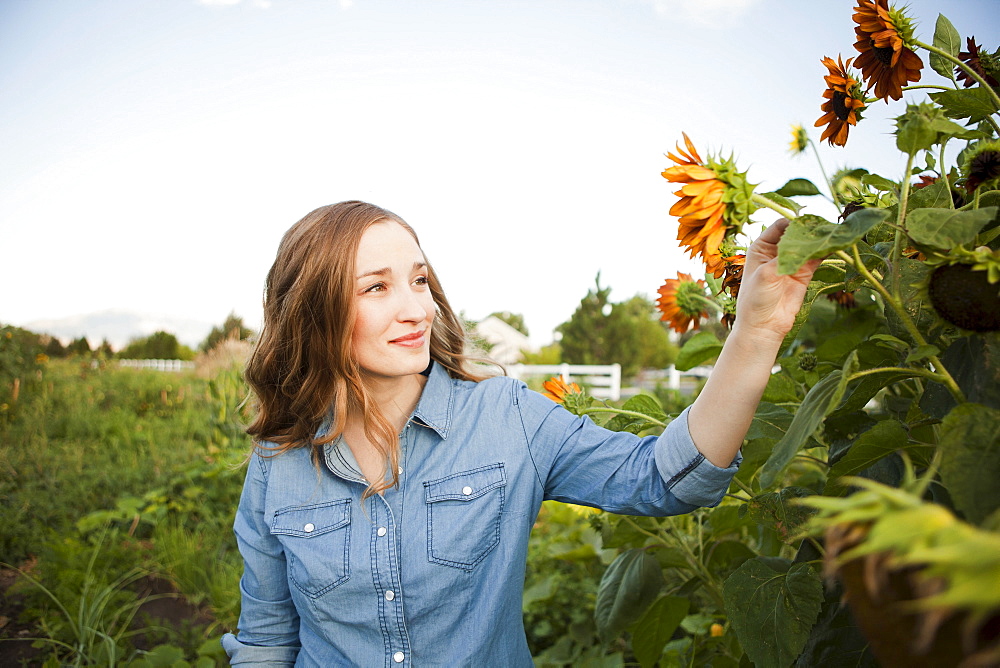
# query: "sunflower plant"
{"type": "Point", "coordinates": [870, 470]}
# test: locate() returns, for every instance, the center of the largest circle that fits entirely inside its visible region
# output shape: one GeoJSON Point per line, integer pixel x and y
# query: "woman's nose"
{"type": "Point", "coordinates": [413, 307]}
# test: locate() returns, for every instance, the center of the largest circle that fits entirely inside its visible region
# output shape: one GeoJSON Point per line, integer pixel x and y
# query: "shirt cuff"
{"type": "Point", "coordinates": [241, 654]}
{"type": "Point", "coordinates": [689, 475]}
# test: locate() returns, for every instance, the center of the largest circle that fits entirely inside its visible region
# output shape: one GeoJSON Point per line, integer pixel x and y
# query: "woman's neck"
{"type": "Point", "coordinates": [397, 397]}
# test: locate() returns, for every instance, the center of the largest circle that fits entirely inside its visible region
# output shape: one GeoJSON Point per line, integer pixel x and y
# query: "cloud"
{"type": "Point", "coordinates": [706, 13]}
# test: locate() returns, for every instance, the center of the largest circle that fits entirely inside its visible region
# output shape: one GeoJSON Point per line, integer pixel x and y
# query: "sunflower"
{"type": "Point", "coordinates": [714, 201]}
{"type": "Point", "coordinates": [844, 102]}
{"type": "Point", "coordinates": [982, 166]}
{"type": "Point", "coordinates": [682, 302]}
{"type": "Point", "coordinates": [556, 389]}
{"type": "Point", "coordinates": [886, 62]}
{"type": "Point", "coordinates": [844, 298]}
{"type": "Point", "coordinates": [800, 140]}
{"type": "Point", "coordinates": [976, 60]}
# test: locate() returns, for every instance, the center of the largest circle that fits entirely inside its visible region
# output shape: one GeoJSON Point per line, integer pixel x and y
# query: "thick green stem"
{"type": "Point", "coordinates": [622, 411]}
{"type": "Point", "coordinates": [913, 371]}
{"type": "Point", "coordinates": [829, 183]}
{"type": "Point", "coordinates": [944, 176]}
{"type": "Point", "coordinates": [896, 305]}
{"type": "Point", "coordinates": [932, 86]}
{"type": "Point", "coordinates": [777, 208]}
{"type": "Point", "coordinates": [897, 242]}
{"type": "Point", "coordinates": [739, 483]}
{"type": "Point", "coordinates": [968, 70]}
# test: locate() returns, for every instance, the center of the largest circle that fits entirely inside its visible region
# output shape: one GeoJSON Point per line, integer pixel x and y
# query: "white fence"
{"type": "Point", "coordinates": [158, 365]}
{"type": "Point", "coordinates": [603, 381]}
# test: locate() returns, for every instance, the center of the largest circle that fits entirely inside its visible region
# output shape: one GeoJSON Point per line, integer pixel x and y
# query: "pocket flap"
{"type": "Point", "coordinates": [314, 520]}
{"type": "Point", "coordinates": [466, 485]}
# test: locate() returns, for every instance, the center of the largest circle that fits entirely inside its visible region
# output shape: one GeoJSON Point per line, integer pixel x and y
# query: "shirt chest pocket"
{"type": "Point", "coordinates": [463, 515]}
{"type": "Point", "coordinates": [317, 542]}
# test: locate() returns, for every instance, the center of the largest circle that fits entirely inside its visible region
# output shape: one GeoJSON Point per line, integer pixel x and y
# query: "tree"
{"type": "Point", "coordinates": [55, 348]}
{"type": "Point", "coordinates": [602, 332]}
{"type": "Point", "coordinates": [157, 346]}
{"type": "Point", "coordinates": [515, 320]}
{"type": "Point", "coordinates": [80, 346]}
{"type": "Point", "coordinates": [232, 328]}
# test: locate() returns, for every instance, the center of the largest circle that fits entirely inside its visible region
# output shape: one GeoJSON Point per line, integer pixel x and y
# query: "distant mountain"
{"type": "Point", "coordinates": [120, 326]}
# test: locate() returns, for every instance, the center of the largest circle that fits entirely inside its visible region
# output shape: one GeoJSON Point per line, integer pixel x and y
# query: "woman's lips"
{"type": "Point", "coordinates": [414, 340]}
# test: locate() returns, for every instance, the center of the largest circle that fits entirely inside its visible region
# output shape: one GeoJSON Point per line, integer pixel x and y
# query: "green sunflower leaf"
{"type": "Point", "coordinates": [880, 441]}
{"type": "Point", "coordinates": [629, 586]}
{"type": "Point", "coordinates": [809, 237]}
{"type": "Point", "coordinates": [774, 510]}
{"type": "Point", "coordinates": [973, 103]}
{"type": "Point", "coordinates": [701, 347]}
{"type": "Point", "coordinates": [879, 183]}
{"type": "Point", "coordinates": [970, 467]}
{"type": "Point", "coordinates": [798, 187]}
{"type": "Point", "coordinates": [947, 228]}
{"type": "Point", "coordinates": [656, 627]}
{"type": "Point", "coordinates": [822, 399]}
{"type": "Point", "coordinates": [772, 604]}
{"type": "Point", "coordinates": [947, 39]}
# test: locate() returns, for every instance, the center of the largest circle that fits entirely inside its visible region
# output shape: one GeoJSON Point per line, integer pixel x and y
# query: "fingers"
{"type": "Point", "coordinates": [773, 232]}
{"type": "Point", "coordinates": [765, 247]}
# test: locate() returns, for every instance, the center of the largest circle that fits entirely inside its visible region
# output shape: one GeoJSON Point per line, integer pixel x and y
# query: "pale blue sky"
{"type": "Point", "coordinates": [152, 152]}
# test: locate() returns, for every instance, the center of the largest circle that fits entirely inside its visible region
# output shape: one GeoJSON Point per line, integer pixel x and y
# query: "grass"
{"type": "Point", "coordinates": [130, 473]}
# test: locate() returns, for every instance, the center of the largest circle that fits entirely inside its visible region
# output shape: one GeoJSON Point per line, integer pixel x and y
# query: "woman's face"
{"type": "Point", "coordinates": [393, 303]}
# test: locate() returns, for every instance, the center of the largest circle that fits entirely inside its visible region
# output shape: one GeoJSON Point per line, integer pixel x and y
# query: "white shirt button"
{"type": "Point", "coordinates": [389, 594]}
{"type": "Point", "coordinates": [398, 657]}
{"type": "Point", "coordinates": [400, 470]}
{"type": "Point", "coordinates": [381, 531]}
{"type": "Point", "coordinates": [309, 528]}
{"type": "Point", "coordinates": [467, 490]}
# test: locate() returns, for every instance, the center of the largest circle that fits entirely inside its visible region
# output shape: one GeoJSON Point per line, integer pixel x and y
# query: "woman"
{"type": "Point", "coordinates": [392, 487]}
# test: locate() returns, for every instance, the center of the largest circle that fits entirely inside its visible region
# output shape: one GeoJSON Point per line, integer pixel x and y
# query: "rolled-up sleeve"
{"type": "Point", "coordinates": [269, 623]}
{"type": "Point", "coordinates": [687, 473]}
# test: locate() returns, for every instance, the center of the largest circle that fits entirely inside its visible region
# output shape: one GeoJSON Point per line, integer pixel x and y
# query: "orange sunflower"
{"type": "Point", "coordinates": [886, 62]}
{"type": "Point", "coordinates": [682, 302]}
{"type": "Point", "coordinates": [844, 102]}
{"type": "Point", "coordinates": [700, 210]}
{"type": "Point", "coordinates": [556, 389]}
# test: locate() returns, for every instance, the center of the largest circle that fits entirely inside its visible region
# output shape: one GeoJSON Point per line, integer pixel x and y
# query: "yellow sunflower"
{"type": "Point", "coordinates": [886, 62]}
{"type": "Point", "coordinates": [682, 302]}
{"type": "Point", "coordinates": [800, 140]}
{"type": "Point", "coordinates": [844, 102]}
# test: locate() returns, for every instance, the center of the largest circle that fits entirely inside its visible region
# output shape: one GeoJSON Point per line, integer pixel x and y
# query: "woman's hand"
{"type": "Point", "coordinates": [768, 302]}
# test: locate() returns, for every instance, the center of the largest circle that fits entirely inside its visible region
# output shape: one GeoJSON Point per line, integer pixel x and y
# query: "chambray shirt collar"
{"type": "Point", "coordinates": [434, 410]}
{"type": "Point", "coordinates": [437, 401]}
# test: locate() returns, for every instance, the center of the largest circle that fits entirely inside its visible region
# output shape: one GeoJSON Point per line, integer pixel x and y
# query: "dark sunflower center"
{"type": "Point", "coordinates": [839, 108]}
{"type": "Point", "coordinates": [883, 54]}
{"type": "Point", "coordinates": [985, 166]}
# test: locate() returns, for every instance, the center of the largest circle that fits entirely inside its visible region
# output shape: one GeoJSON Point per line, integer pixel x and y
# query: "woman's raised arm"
{"type": "Point", "coordinates": [765, 312]}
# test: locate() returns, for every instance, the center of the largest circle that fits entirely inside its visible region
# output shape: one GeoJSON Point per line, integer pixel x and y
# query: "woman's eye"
{"type": "Point", "coordinates": [378, 287]}
{"type": "Point", "coordinates": [421, 280]}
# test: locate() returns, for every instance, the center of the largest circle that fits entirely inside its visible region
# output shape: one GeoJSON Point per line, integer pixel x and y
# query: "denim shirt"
{"type": "Point", "coordinates": [431, 572]}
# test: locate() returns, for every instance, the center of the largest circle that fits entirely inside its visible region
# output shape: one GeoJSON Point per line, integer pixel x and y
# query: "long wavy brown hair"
{"type": "Point", "coordinates": [301, 370]}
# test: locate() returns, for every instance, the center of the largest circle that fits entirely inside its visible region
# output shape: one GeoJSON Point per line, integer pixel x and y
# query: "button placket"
{"type": "Point", "coordinates": [386, 577]}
